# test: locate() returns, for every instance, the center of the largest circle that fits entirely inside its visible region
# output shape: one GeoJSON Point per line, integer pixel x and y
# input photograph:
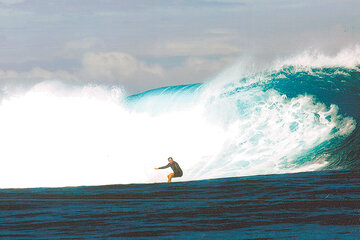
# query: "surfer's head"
{"type": "Point", "coordinates": [170, 160]}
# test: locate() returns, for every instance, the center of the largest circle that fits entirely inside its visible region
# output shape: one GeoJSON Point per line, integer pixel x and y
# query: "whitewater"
{"type": "Point", "coordinates": [295, 115]}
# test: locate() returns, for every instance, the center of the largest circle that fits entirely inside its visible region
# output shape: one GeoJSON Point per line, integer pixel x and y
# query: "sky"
{"type": "Point", "coordinates": [141, 45]}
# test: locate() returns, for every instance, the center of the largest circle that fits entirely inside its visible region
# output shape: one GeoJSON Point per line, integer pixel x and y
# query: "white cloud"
{"type": "Point", "coordinates": [197, 69]}
{"type": "Point", "coordinates": [137, 76]}
{"type": "Point", "coordinates": [115, 67]}
{"type": "Point", "coordinates": [102, 68]}
{"type": "Point", "coordinates": [110, 67]}
{"type": "Point", "coordinates": [123, 69]}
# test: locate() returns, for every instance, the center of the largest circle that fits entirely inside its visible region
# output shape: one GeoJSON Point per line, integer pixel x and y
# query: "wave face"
{"type": "Point", "coordinates": [288, 118]}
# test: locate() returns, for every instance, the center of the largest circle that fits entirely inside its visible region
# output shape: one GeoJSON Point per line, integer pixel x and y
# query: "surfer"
{"type": "Point", "coordinates": [175, 167]}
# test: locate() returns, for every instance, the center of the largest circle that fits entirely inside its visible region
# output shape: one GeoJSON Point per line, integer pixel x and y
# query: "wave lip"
{"type": "Point", "coordinates": [347, 58]}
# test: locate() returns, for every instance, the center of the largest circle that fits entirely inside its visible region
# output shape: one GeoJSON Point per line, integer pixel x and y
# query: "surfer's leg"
{"type": "Point", "coordinates": [170, 176]}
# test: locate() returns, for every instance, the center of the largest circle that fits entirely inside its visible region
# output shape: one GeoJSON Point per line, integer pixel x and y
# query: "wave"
{"type": "Point", "coordinates": [285, 118]}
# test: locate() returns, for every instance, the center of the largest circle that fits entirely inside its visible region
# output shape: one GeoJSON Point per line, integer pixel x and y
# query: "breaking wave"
{"type": "Point", "coordinates": [298, 115]}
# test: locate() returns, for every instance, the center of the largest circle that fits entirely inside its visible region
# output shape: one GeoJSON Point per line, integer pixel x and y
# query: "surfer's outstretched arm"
{"type": "Point", "coordinates": [163, 167]}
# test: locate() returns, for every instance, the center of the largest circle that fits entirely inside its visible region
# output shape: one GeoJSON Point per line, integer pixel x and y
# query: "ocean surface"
{"type": "Point", "coordinates": [267, 153]}
{"type": "Point", "coordinates": [309, 205]}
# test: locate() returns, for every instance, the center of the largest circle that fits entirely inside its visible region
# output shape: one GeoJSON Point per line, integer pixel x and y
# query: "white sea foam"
{"type": "Point", "coordinates": [348, 57]}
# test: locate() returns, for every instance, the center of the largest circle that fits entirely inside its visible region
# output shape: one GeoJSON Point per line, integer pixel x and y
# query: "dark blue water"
{"type": "Point", "coordinates": [311, 205]}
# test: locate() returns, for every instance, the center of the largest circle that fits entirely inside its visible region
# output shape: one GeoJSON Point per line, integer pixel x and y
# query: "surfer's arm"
{"type": "Point", "coordinates": [164, 167]}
